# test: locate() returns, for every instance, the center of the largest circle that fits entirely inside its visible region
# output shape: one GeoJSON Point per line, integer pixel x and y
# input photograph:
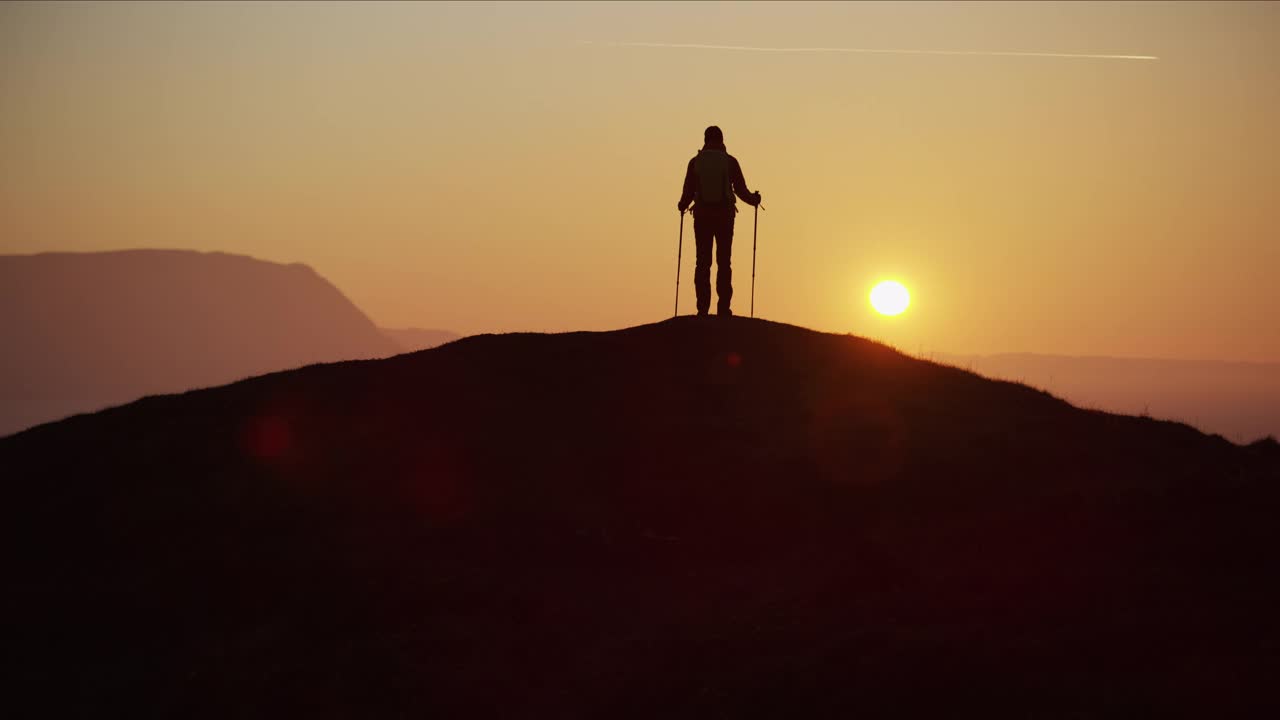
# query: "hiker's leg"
{"type": "Point", "coordinates": [703, 231]}
{"type": "Point", "coordinates": [724, 256]}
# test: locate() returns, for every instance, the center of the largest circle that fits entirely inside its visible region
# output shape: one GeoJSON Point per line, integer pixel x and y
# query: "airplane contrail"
{"type": "Point", "coordinates": [749, 48]}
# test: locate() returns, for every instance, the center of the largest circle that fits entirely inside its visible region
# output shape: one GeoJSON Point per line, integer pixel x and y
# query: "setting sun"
{"type": "Point", "coordinates": [890, 298]}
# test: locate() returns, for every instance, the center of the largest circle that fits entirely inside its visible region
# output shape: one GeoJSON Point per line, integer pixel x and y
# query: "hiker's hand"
{"type": "Point", "coordinates": [756, 199]}
{"type": "Point", "coordinates": [681, 207]}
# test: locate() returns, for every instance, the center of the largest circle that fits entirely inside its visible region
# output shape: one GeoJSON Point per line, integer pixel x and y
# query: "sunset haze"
{"type": "Point", "coordinates": [497, 167]}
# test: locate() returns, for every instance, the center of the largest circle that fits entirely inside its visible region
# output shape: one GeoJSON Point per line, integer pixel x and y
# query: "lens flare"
{"type": "Point", "coordinates": [890, 298]}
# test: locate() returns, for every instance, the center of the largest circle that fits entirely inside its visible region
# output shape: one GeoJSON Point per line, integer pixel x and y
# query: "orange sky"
{"type": "Point", "coordinates": [496, 167]}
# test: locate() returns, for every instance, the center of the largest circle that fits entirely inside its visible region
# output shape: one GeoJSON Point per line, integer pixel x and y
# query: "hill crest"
{"type": "Point", "coordinates": [607, 524]}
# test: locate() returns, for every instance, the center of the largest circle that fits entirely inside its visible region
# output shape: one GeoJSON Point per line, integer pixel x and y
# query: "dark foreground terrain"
{"type": "Point", "coordinates": [693, 519]}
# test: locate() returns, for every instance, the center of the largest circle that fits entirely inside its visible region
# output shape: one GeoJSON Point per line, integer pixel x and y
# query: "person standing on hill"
{"type": "Point", "coordinates": [712, 179]}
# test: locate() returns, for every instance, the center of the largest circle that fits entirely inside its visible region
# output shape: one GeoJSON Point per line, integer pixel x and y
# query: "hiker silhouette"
{"type": "Point", "coordinates": [710, 182]}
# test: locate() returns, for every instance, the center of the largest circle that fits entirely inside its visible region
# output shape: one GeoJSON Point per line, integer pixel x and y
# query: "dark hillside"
{"type": "Point", "coordinates": [688, 519]}
{"type": "Point", "coordinates": [1238, 400]}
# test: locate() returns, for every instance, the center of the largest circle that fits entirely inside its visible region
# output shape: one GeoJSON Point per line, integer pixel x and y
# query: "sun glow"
{"type": "Point", "coordinates": [890, 297]}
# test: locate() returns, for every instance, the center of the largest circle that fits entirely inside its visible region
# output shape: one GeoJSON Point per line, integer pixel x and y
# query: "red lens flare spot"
{"type": "Point", "coordinates": [268, 437]}
{"type": "Point", "coordinates": [733, 360]}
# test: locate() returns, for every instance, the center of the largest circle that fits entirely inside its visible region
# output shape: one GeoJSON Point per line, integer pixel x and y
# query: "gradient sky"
{"type": "Point", "coordinates": [493, 167]}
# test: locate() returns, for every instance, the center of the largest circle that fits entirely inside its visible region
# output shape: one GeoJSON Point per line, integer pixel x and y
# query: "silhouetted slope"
{"type": "Point", "coordinates": [82, 331]}
{"type": "Point", "coordinates": [414, 339]}
{"type": "Point", "coordinates": [1240, 401]}
{"type": "Point", "coordinates": [723, 518]}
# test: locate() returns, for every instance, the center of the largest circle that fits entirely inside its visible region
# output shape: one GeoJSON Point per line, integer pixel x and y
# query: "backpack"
{"type": "Point", "coordinates": [714, 185]}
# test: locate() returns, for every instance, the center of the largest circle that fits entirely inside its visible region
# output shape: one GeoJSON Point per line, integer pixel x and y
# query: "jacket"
{"type": "Point", "coordinates": [714, 159]}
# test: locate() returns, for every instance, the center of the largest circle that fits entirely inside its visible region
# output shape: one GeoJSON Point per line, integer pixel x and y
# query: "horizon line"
{"type": "Point", "coordinates": [877, 51]}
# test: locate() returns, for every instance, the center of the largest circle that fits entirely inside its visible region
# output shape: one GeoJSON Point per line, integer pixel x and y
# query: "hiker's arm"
{"type": "Point", "coordinates": [690, 182]}
{"type": "Point", "coordinates": [740, 185]}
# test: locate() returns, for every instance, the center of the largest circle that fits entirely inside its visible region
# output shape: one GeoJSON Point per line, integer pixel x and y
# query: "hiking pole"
{"type": "Point", "coordinates": [679, 253]}
{"type": "Point", "coordinates": [755, 226]}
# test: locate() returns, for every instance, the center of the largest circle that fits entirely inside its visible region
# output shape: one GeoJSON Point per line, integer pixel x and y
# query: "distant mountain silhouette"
{"type": "Point", "coordinates": [1240, 401]}
{"type": "Point", "coordinates": [414, 339]}
{"type": "Point", "coordinates": [82, 331]}
{"type": "Point", "coordinates": [692, 519]}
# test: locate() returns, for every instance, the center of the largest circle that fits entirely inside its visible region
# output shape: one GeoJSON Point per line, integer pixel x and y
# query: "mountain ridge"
{"type": "Point", "coordinates": [414, 339]}
{"type": "Point", "coordinates": [89, 330]}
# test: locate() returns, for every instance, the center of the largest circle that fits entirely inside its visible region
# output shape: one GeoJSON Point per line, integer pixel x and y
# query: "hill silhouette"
{"type": "Point", "coordinates": [83, 331]}
{"type": "Point", "coordinates": [1238, 400]}
{"type": "Point", "coordinates": [724, 518]}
